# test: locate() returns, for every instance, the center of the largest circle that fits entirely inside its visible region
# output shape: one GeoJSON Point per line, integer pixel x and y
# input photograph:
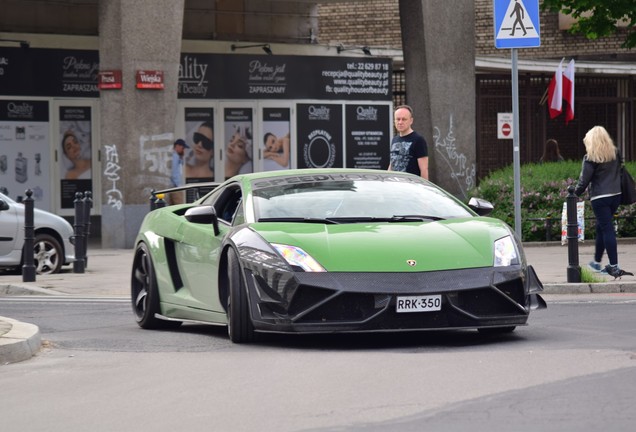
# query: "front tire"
{"type": "Point", "coordinates": [239, 324]}
{"type": "Point", "coordinates": [48, 255]}
{"type": "Point", "coordinates": [144, 293]}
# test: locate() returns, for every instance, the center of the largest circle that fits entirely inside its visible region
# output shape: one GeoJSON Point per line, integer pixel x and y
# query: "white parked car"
{"type": "Point", "coordinates": [52, 247]}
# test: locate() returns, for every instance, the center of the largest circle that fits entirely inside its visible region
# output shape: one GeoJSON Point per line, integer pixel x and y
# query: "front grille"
{"type": "Point", "coordinates": [359, 302]}
{"type": "Point", "coordinates": [306, 297]}
{"type": "Point", "coordinates": [319, 305]}
{"type": "Point", "coordinates": [515, 290]}
{"type": "Point", "coordinates": [503, 300]}
{"type": "Point", "coordinates": [345, 307]}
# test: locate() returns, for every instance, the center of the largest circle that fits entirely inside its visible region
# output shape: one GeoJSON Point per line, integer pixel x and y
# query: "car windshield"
{"type": "Point", "coordinates": [6, 198]}
{"type": "Point", "coordinates": [352, 198]}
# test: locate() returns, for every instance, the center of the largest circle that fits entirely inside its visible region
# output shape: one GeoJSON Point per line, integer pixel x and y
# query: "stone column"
{"type": "Point", "coordinates": [438, 39]}
{"type": "Point", "coordinates": [136, 126]}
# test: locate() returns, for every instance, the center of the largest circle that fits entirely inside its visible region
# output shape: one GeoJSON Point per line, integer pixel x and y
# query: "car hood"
{"type": "Point", "coordinates": [43, 219]}
{"type": "Point", "coordinates": [390, 247]}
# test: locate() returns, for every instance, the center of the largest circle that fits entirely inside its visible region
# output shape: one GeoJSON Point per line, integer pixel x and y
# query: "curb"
{"type": "Point", "coordinates": [20, 290]}
{"type": "Point", "coordinates": [19, 341]}
{"type": "Point", "coordinates": [613, 287]}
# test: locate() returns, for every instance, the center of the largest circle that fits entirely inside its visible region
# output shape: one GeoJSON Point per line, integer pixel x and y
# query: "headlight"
{"type": "Point", "coordinates": [296, 257]}
{"type": "Point", "coordinates": [505, 252]}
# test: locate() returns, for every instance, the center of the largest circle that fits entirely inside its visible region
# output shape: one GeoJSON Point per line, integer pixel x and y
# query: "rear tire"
{"type": "Point", "coordinates": [144, 293]}
{"type": "Point", "coordinates": [239, 324]}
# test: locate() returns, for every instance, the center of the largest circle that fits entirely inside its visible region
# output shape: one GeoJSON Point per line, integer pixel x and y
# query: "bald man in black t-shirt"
{"type": "Point", "coordinates": [409, 151]}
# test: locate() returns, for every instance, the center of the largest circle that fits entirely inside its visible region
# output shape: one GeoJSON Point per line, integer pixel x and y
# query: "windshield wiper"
{"type": "Point", "coordinates": [327, 221]}
{"type": "Point", "coordinates": [353, 219]}
{"type": "Point", "coordinates": [414, 218]}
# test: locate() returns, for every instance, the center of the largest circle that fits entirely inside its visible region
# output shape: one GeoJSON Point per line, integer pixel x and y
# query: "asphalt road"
{"type": "Point", "coordinates": [573, 368]}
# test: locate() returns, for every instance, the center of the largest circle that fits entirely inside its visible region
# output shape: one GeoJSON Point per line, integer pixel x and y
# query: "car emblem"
{"type": "Point", "coordinates": [412, 263]}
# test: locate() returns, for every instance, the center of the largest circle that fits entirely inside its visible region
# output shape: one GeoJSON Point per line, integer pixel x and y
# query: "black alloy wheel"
{"type": "Point", "coordinates": [144, 293]}
{"type": "Point", "coordinates": [239, 324]}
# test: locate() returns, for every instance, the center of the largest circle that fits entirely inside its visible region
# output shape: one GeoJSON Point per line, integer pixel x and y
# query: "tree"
{"type": "Point", "coordinates": [597, 18]}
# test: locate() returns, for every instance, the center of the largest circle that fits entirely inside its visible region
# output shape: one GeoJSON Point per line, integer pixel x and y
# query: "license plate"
{"type": "Point", "coordinates": [419, 303]}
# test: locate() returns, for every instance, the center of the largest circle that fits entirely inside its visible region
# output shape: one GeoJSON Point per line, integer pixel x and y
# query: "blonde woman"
{"type": "Point", "coordinates": [601, 173]}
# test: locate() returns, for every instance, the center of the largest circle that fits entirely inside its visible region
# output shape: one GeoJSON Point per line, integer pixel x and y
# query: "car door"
{"type": "Point", "coordinates": [199, 250]}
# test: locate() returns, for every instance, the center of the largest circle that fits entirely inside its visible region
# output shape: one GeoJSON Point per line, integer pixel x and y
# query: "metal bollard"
{"type": "Point", "coordinates": [28, 268]}
{"type": "Point", "coordinates": [156, 200]}
{"type": "Point", "coordinates": [153, 199]}
{"type": "Point", "coordinates": [160, 202]}
{"type": "Point", "coordinates": [87, 204]}
{"type": "Point", "coordinates": [548, 227]}
{"type": "Point", "coordinates": [574, 270]}
{"type": "Point", "coordinates": [79, 263]}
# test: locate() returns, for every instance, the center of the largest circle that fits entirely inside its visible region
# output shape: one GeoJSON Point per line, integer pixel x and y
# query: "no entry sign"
{"type": "Point", "coordinates": [504, 125]}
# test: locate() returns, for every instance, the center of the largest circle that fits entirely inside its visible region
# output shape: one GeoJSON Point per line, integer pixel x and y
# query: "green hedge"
{"type": "Point", "coordinates": [543, 192]}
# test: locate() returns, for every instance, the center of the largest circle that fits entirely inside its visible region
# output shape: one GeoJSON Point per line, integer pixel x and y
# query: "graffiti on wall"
{"type": "Point", "coordinates": [155, 158]}
{"type": "Point", "coordinates": [111, 174]}
{"type": "Point", "coordinates": [462, 171]}
{"type": "Point", "coordinates": [156, 154]}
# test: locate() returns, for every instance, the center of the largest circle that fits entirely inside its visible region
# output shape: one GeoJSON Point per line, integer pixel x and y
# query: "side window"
{"type": "Point", "coordinates": [228, 204]}
{"type": "Point", "coordinates": [239, 214]}
{"type": "Point", "coordinates": [213, 197]}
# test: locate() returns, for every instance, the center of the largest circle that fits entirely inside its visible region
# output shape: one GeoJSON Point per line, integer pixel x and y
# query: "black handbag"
{"type": "Point", "coordinates": [628, 187]}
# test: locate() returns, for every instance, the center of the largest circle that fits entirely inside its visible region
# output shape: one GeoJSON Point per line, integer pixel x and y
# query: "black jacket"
{"type": "Point", "coordinates": [602, 178]}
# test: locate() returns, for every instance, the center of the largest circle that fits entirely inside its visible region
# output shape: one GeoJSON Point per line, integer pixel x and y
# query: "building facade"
{"type": "Point", "coordinates": [605, 79]}
{"type": "Point", "coordinates": [127, 77]}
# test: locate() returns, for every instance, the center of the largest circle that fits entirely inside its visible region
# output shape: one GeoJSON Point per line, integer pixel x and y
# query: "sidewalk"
{"type": "Point", "coordinates": [108, 275]}
{"type": "Point", "coordinates": [550, 261]}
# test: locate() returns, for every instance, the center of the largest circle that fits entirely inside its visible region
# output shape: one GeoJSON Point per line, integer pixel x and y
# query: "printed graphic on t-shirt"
{"type": "Point", "coordinates": [400, 155]}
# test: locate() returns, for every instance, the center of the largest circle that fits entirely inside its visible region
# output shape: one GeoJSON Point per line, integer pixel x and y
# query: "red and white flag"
{"type": "Point", "coordinates": [568, 91]}
{"type": "Point", "coordinates": [555, 92]}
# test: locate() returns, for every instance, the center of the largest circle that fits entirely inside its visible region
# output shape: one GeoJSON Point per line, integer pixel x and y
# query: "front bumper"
{"type": "Point", "coordinates": [359, 302]}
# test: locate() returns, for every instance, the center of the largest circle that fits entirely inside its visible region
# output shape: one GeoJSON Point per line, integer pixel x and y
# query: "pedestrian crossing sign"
{"type": "Point", "coordinates": [516, 23]}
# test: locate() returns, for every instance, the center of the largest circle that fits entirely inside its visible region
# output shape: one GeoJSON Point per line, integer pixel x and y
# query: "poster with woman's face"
{"type": "Point", "coordinates": [239, 143]}
{"type": "Point", "coordinates": [199, 157]}
{"type": "Point", "coordinates": [76, 153]}
{"type": "Point", "coordinates": [276, 145]}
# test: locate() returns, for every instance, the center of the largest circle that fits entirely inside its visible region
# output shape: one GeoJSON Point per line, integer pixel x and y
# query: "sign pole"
{"type": "Point", "coordinates": [515, 143]}
{"type": "Point", "coordinates": [516, 26]}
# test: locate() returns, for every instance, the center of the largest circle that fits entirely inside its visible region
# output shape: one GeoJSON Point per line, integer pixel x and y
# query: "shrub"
{"type": "Point", "coordinates": [543, 191]}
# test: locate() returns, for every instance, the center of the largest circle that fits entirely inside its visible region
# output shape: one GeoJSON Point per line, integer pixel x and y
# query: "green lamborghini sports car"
{"type": "Point", "coordinates": [330, 250]}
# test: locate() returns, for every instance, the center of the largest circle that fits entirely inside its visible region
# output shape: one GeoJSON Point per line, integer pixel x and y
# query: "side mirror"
{"type": "Point", "coordinates": [203, 215]}
{"type": "Point", "coordinates": [4, 205]}
{"type": "Point", "coordinates": [480, 206]}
